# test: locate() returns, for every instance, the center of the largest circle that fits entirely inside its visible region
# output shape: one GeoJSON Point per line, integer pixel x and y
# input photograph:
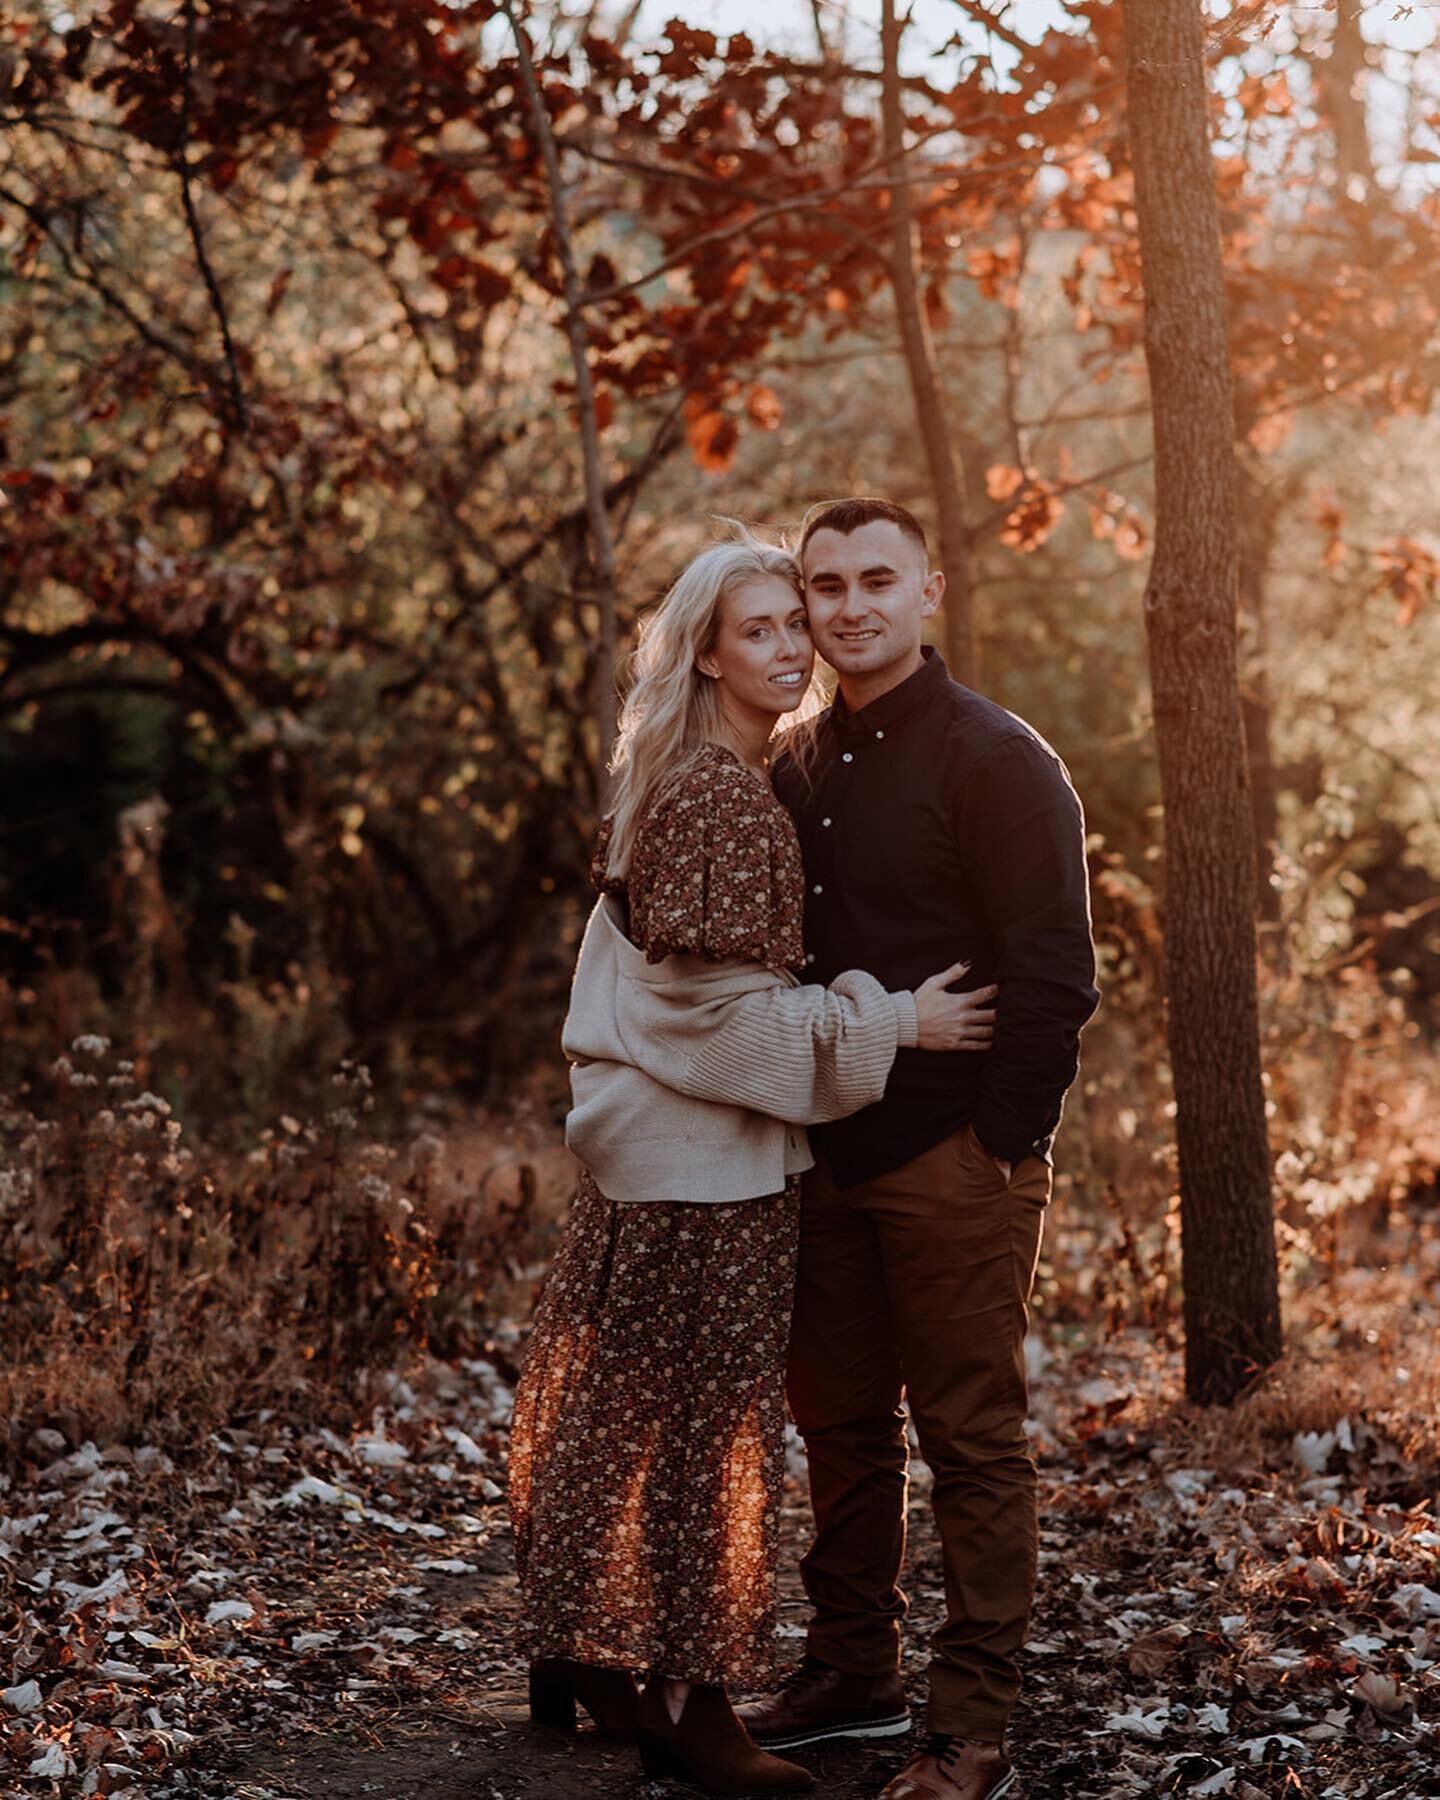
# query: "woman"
{"type": "Point", "coordinates": [647, 1450]}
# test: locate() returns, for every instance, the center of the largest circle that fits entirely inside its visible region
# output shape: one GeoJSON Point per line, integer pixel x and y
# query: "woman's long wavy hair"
{"type": "Point", "coordinates": [672, 711]}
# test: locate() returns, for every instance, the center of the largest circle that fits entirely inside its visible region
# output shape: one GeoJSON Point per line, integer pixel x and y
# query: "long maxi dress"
{"type": "Point", "coordinates": [647, 1448]}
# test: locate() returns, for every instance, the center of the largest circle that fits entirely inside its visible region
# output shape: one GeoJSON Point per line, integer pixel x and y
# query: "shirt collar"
{"type": "Point", "coordinates": [897, 703]}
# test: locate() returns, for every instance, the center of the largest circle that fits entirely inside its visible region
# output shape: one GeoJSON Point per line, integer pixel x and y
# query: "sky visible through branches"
{"type": "Point", "coordinates": [930, 46]}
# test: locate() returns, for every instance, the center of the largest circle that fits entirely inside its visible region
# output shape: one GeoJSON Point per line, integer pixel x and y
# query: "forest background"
{"type": "Point", "coordinates": [303, 624]}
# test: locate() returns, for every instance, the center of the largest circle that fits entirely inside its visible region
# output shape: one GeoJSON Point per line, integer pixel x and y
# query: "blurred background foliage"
{"type": "Point", "coordinates": [296, 618]}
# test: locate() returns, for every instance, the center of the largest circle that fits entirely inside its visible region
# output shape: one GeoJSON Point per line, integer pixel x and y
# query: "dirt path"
{"type": "Point", "coordinates": [478, 1743]}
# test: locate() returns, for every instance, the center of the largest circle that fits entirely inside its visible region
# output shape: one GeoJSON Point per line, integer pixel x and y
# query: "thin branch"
{"type": "Point", "coordinates": [1097, 477]}
{"type": "Point", "coordinates": [238, 408]}
{"type": "Point", "coordinates": [153, 686]}
{"type": "Point", "coordinates": [983, 16]}
{"type": "Point", "coordinates": [88, 277]}
{"type": "Point", "coordinates": [602, 537]}
{"type": "Point", "coordinates": [816, 199]}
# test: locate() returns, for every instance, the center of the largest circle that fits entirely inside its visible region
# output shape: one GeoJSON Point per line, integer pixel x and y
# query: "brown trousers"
{"type": "Point", "coordinates": [918, 1282]}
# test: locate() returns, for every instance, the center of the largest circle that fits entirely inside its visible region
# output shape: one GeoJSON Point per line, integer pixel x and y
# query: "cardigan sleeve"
{"type": "Point", "coordinates": [803, 1054]}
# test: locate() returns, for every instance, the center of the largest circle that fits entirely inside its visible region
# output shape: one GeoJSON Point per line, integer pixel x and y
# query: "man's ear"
{"type": "Point", "coordinates": [934, 591]}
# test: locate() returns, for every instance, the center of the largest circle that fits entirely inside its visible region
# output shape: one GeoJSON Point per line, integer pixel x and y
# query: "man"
{"type": "Point", "coordinates": [935, 826]}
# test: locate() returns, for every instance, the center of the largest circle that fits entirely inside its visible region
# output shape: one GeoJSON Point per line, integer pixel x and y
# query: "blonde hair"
{"type": "Point", "coordinates": [672, 711]}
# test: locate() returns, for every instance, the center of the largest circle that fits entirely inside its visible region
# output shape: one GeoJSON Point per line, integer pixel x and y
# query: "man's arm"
{"type": "Point", "coordinates": [1021, 825]}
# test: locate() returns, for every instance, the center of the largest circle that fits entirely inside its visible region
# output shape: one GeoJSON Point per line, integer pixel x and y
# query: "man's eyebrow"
{"type": "Point", "coordinates": [865, 574]}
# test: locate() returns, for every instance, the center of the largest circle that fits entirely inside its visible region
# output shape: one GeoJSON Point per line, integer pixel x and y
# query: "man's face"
{"type": "Point", "coordinates": [867, 592]}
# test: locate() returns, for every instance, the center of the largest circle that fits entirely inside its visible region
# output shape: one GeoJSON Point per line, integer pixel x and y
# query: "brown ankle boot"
{"type": "Point", "coordinates": [708, 1746]}
{"type": "Point", "coordinates": [608, 1695]}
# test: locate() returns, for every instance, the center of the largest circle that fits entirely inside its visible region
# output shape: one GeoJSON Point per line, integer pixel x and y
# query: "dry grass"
{"type": "Point", "coordinates": [151, 1288]}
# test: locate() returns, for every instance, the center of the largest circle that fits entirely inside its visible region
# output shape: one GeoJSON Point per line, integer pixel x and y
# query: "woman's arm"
{"type": "Point", "coordinates": [810, 1054]}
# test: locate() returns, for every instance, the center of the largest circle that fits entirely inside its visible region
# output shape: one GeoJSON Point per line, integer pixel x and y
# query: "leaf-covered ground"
{"type": "Point", "coordinates": [1239, 1604]}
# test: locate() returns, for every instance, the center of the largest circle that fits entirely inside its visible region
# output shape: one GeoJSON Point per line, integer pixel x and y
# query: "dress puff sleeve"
{"type": "Point", "coordinates": [716, 870]}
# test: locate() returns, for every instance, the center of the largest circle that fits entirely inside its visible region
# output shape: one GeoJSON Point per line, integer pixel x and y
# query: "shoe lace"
{"type": "Point", "coordinates": [802, 1675]}
{"type": "Point", "coordinates": [945, 1748]}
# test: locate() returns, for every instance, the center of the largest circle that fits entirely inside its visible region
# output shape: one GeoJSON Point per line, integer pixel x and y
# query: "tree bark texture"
{"type": "Point", "coordinates": [1258, 511]}
{"type": "Point", "coordinates": [1232, 1309]}
{"type": "Point", "coordinates": [602, 536]}
{"type": "Point", "coordinates": [946, 478]}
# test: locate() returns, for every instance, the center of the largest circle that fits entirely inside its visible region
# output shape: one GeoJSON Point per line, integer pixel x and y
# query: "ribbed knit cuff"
{"type": "Point", "coordinates": [907, 1020]}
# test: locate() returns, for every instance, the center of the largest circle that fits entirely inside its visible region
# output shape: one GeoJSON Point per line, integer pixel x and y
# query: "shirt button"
{"type": "Point", "coordinates": [825, 821]}
{"type": "Point", "coordinates": [847, 757]}
{"type": "Point", "coordinates": [817, 889]}
{"type": "Point", "coordinates": [811, 957]}
{"type": "Point", "coordinates": [879, 734]}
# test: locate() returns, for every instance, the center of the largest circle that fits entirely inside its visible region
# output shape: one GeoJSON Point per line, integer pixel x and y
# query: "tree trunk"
{"type": "Point", "coordinates": [1257, 534]}
{"type": "Point", "coordinates": [1340, 80]}
{"type": "Point", "coordinates": [602, 537]}
{"type": "Point", "coordinates": [946, 480]}
{"type": "Point", "coordinates": [1232, 1308]}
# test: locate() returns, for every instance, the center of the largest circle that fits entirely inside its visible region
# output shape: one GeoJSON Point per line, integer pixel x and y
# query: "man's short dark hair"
{"type": "Point", "coordinates": [846, 516]}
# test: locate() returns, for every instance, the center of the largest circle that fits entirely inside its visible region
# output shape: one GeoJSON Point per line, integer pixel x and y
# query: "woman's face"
{"type": "Point", "coordinates": [762, 655]}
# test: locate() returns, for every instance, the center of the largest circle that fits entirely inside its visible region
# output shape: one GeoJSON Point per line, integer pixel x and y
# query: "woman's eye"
{"type": "Point", "coordinates": [800, 623]}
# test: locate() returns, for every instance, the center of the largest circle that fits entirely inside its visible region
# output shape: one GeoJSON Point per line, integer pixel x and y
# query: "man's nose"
{"type": "Point", "coordinates": [852, 601]}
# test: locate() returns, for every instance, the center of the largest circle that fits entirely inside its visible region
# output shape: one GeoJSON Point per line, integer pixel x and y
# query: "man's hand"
{"type": "Point", "coordinates": [1007, 1169]}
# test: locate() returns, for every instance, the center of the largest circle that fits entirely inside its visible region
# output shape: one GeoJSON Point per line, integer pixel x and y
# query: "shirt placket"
{"type": "Point", "coordinates": [834, 830]}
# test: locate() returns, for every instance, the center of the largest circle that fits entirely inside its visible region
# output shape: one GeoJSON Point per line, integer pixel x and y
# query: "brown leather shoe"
{"type": "Point", "coordinates": [954, 1768]}
{"type": "Point", "coordinates": [817, 1702]}
{"type": "Point", "coordinates": [707, 1745]}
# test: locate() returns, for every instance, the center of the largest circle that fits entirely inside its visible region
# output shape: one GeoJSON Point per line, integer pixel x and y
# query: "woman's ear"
{"type": "Point", "coordinates": [707, 665]}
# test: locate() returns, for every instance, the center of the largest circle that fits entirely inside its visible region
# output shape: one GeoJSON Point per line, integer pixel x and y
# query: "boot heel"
{"type": "Point", "coordinates": [659, 1761]}
{"type": "Point", "coordinates": [552, 1701]}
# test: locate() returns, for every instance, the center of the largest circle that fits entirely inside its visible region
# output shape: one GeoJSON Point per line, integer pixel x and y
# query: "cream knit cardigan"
{"type": "Point", "coordinates": [691, 1080]}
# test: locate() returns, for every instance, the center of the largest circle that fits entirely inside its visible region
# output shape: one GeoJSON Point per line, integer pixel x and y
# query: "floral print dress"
{"type": "Point", "coordinates": [647, 1450]}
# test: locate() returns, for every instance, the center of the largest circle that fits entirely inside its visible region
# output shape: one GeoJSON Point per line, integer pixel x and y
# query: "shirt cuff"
{"type": "Point", "coordinates": [1001, 1136]}
{"type": "Point", "coordinates": [907, 1020]}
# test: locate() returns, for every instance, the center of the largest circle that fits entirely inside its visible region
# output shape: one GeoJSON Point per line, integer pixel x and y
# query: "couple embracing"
{"type": "Point", "coordinates": [788, 897]}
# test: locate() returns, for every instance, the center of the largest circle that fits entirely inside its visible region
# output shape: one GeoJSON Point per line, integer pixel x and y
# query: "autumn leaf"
{"type": "Point", "coordinates": [1410, 574]}
{"type": "Point", "coordinates": [277, 292]}
{"type": "Point", "coordinates": [1152, 1654]}
{"type": "Point", "coordinates": [1331, 520]}
{"type": "Point", "coordinates": [1002, 480]}
{"type": "Point", "coordinates": [1270, 431]}
{"type": "Point", "coordinates": [1031, 522]}
{"type": "Point", "coordinates": [711, 435]}
{"type": "Point", "coordinates": [763, 406]}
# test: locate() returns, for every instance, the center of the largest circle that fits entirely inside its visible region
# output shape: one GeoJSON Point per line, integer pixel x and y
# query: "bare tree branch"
{"type": "Point", "coordinates": [239, 412]}
{"type": "Point", "coordinates": [602, 537]}
{"type": "Point", "coordinates": [982, 15]}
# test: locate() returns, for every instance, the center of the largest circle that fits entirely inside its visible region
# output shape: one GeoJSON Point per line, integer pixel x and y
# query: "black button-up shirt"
{"type": "Point", "coordinates": [937, 827]}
